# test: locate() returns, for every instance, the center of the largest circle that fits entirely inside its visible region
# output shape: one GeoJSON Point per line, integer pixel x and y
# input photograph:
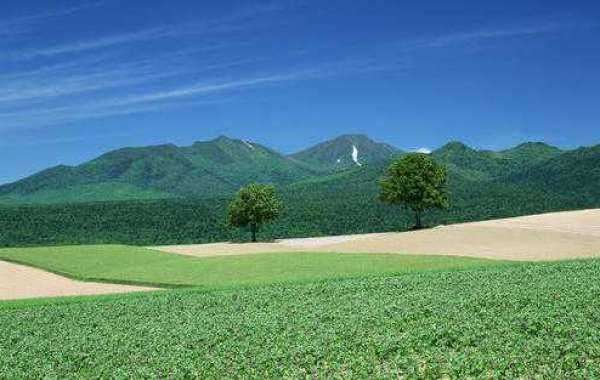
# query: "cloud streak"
{"type": "Point", "coordinates": [236, 22]}
{"type": "Point", "coordinates": [204, 92]}
{"type": "Point", "coordinates": [82, 46]}
{"type": "Point", "coordinates": [17, 26]}
{"type": "Point", "coordinates": [458, 38]}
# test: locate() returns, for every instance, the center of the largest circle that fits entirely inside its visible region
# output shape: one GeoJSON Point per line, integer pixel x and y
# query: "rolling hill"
{"type": "Point", "coordinates": [219, 167]}
{"type": "Point", "coordinates": [205, 169]}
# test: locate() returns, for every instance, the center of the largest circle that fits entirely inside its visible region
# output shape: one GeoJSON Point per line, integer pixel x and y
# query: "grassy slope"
{"type": "Point", "coordinates": [533, 320]}
{"type": "Point", "coordinates": [86, 193]}
{"type": "Point", "coordinates": [124, 264]}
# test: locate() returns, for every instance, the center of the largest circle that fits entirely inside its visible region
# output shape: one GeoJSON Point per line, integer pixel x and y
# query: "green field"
{"type": "Point", "coordinates": [528, 320]}
{"type": "Point", "coordinates": [134, 265]}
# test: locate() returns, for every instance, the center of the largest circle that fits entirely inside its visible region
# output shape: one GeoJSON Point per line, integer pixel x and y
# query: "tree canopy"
{"type": "Point", "coordinates": [417, 182]}
{"type": "Point", "coordinates": [253, 206]}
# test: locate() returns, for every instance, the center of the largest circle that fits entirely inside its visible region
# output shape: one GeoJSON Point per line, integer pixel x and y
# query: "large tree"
{"type": "Point", "coordinates": [253, 206]}
{"type": "Point", "coordinates": [417, 182]}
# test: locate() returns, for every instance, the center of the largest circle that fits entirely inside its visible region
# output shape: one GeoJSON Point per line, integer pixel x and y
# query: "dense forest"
{"type": "Point", "coordinates": [531, 178]}
{"type": "Point", "coordinates": [326, 212]}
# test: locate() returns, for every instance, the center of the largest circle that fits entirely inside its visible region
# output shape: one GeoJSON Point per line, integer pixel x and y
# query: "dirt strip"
{"type": "Point", "coordinates": [553, 236]}
{"type": "Point", "coordinates": [19, 282]}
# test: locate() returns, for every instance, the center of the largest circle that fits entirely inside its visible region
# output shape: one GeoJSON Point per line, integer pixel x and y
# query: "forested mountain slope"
{"type": "Point", "coordinates": [574, 173]}
{"type": "Point", "coordinates": [531, 178]}
{"type": "Point", "coordinates": [205, 169]}
{"type": "Point", "coordinates": [218, 168]}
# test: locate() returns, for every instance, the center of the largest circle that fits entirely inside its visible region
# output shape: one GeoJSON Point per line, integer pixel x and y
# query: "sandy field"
{"type": "Point", "coordinates": [18, 282]}
{"type": "Point", "coordinates": [553, 236]}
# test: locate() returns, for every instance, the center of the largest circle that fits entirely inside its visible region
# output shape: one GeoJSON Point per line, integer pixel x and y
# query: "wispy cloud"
{"type": "Point", "coordinates": [236, 21]}
{"type": "Point", "coordinates": [50, 116]}
{"type": "Point", "coordinates": [140, 85]}
{"type": "Point", "coordinates": [17, 26]}
{"type": "Point", "coordinates": [140, 102]}
{"type": "Point", "coordinates": [457, 38]}
{"type": "Point", "coordinates": [105, 42]}
{"type": "Point", "coordinates": [93, 74]}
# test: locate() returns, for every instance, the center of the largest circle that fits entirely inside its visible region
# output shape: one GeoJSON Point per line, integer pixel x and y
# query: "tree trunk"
{"type": "Point", "coordinates": [418, 224]}
{"type": "Point", "coordinates": [253, 230]}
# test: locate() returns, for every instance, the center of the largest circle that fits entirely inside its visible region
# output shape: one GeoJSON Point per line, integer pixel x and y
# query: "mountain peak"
{"type": "Point", "coordinates": [221, 138]}
{"type": "Point", "coordinates": [352, 137]}
{"type": "Point", "coordinates": [455, 146]}
{"type": "Point", "coordinates": [345, 152]}
{"type": "Point", "coordinates": [531, 152]}
{"type": "Point", "coordinates": [533, 146]}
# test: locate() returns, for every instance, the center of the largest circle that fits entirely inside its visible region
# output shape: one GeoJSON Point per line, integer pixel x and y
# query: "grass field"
{"type": "Point", "coordinates": [527, 320]}
{"type": "Point", "coordinates": [133, 265]}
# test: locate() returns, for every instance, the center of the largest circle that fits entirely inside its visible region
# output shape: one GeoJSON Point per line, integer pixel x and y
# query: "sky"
{"type": "Point", "coordinates": [79, 78]}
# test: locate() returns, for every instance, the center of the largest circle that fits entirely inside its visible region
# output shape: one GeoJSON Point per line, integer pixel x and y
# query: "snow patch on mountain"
{"type": "Point", "coordinates": [248, 144]}
{"type": "Point", "coordinates": [355, 155]}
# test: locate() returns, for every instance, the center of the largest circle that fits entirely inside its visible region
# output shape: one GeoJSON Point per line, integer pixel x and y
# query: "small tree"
{"type": "Point", "coordinates": [417, 182]}
{"type": "Point", "coordinates": [253, 206]}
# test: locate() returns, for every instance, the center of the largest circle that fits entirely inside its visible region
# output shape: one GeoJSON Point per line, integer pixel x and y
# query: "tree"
{"type": "Point", "coordinates": [417, 182]}
{"type": "Point", "coordinates": [253, 206]}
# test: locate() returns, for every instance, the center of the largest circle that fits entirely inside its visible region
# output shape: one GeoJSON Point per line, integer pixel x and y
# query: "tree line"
{"type": "Point", "coordinates": [345, 207]}
{"type": "Point", "coordinates": [414, 181]}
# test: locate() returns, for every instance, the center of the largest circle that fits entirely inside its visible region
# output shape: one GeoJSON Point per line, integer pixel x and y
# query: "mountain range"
{"type": "Point", "coordinates": [161, 195]}
{"type": "Point", "coordinates": [219, 167]}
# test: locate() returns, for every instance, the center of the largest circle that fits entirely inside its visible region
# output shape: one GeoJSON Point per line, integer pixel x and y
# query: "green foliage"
{"type": "Point", "coordinates": [417, 182]}
{"type": "Point", "coordinates": [134, 265]}
{"type": "Point", "coordinates": [528, 321]}
{"type": "Point", "coordinates": [253, 206]}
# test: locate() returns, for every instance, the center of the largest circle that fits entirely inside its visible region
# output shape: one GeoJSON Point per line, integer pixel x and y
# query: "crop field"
{"type": "Point", "coordinates": [526, 320]}
{"type": "Point", "coordinates": [140, 266]}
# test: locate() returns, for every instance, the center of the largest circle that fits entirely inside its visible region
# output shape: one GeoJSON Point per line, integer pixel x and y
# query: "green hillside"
{"type": "Point", "coordinates": [205, 169]}
{"type": "Point", "coordinates": [529, 153]}
{"type": "Point", "coordinates": [221, 166]}
{"type": "Point", "coordinates": [573, 173]}
{"type": "Point", "coordinates": [484, 165]}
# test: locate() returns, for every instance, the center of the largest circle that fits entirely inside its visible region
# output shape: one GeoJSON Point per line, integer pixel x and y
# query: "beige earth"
{"type": "Point", "coordinates": [553, 236]}
{"type": "Point", "coordinates": [18, 282]}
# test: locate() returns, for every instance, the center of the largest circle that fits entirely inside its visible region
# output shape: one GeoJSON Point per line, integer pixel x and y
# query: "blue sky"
{"type": "Point", "coordinates": [78, 78]}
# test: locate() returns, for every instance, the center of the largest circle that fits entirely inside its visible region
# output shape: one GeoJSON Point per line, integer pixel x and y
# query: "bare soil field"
{"type": "Point", "coordinates": [552, 236]}
{"type": "Point", "coordinates": [19, 282]}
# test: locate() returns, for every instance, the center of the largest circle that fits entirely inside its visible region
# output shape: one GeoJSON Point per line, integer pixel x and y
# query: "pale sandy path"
{"type": "Point", "coordinates": [19, 281]}
{"type": "Point", "coordinates": [552, 236]}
